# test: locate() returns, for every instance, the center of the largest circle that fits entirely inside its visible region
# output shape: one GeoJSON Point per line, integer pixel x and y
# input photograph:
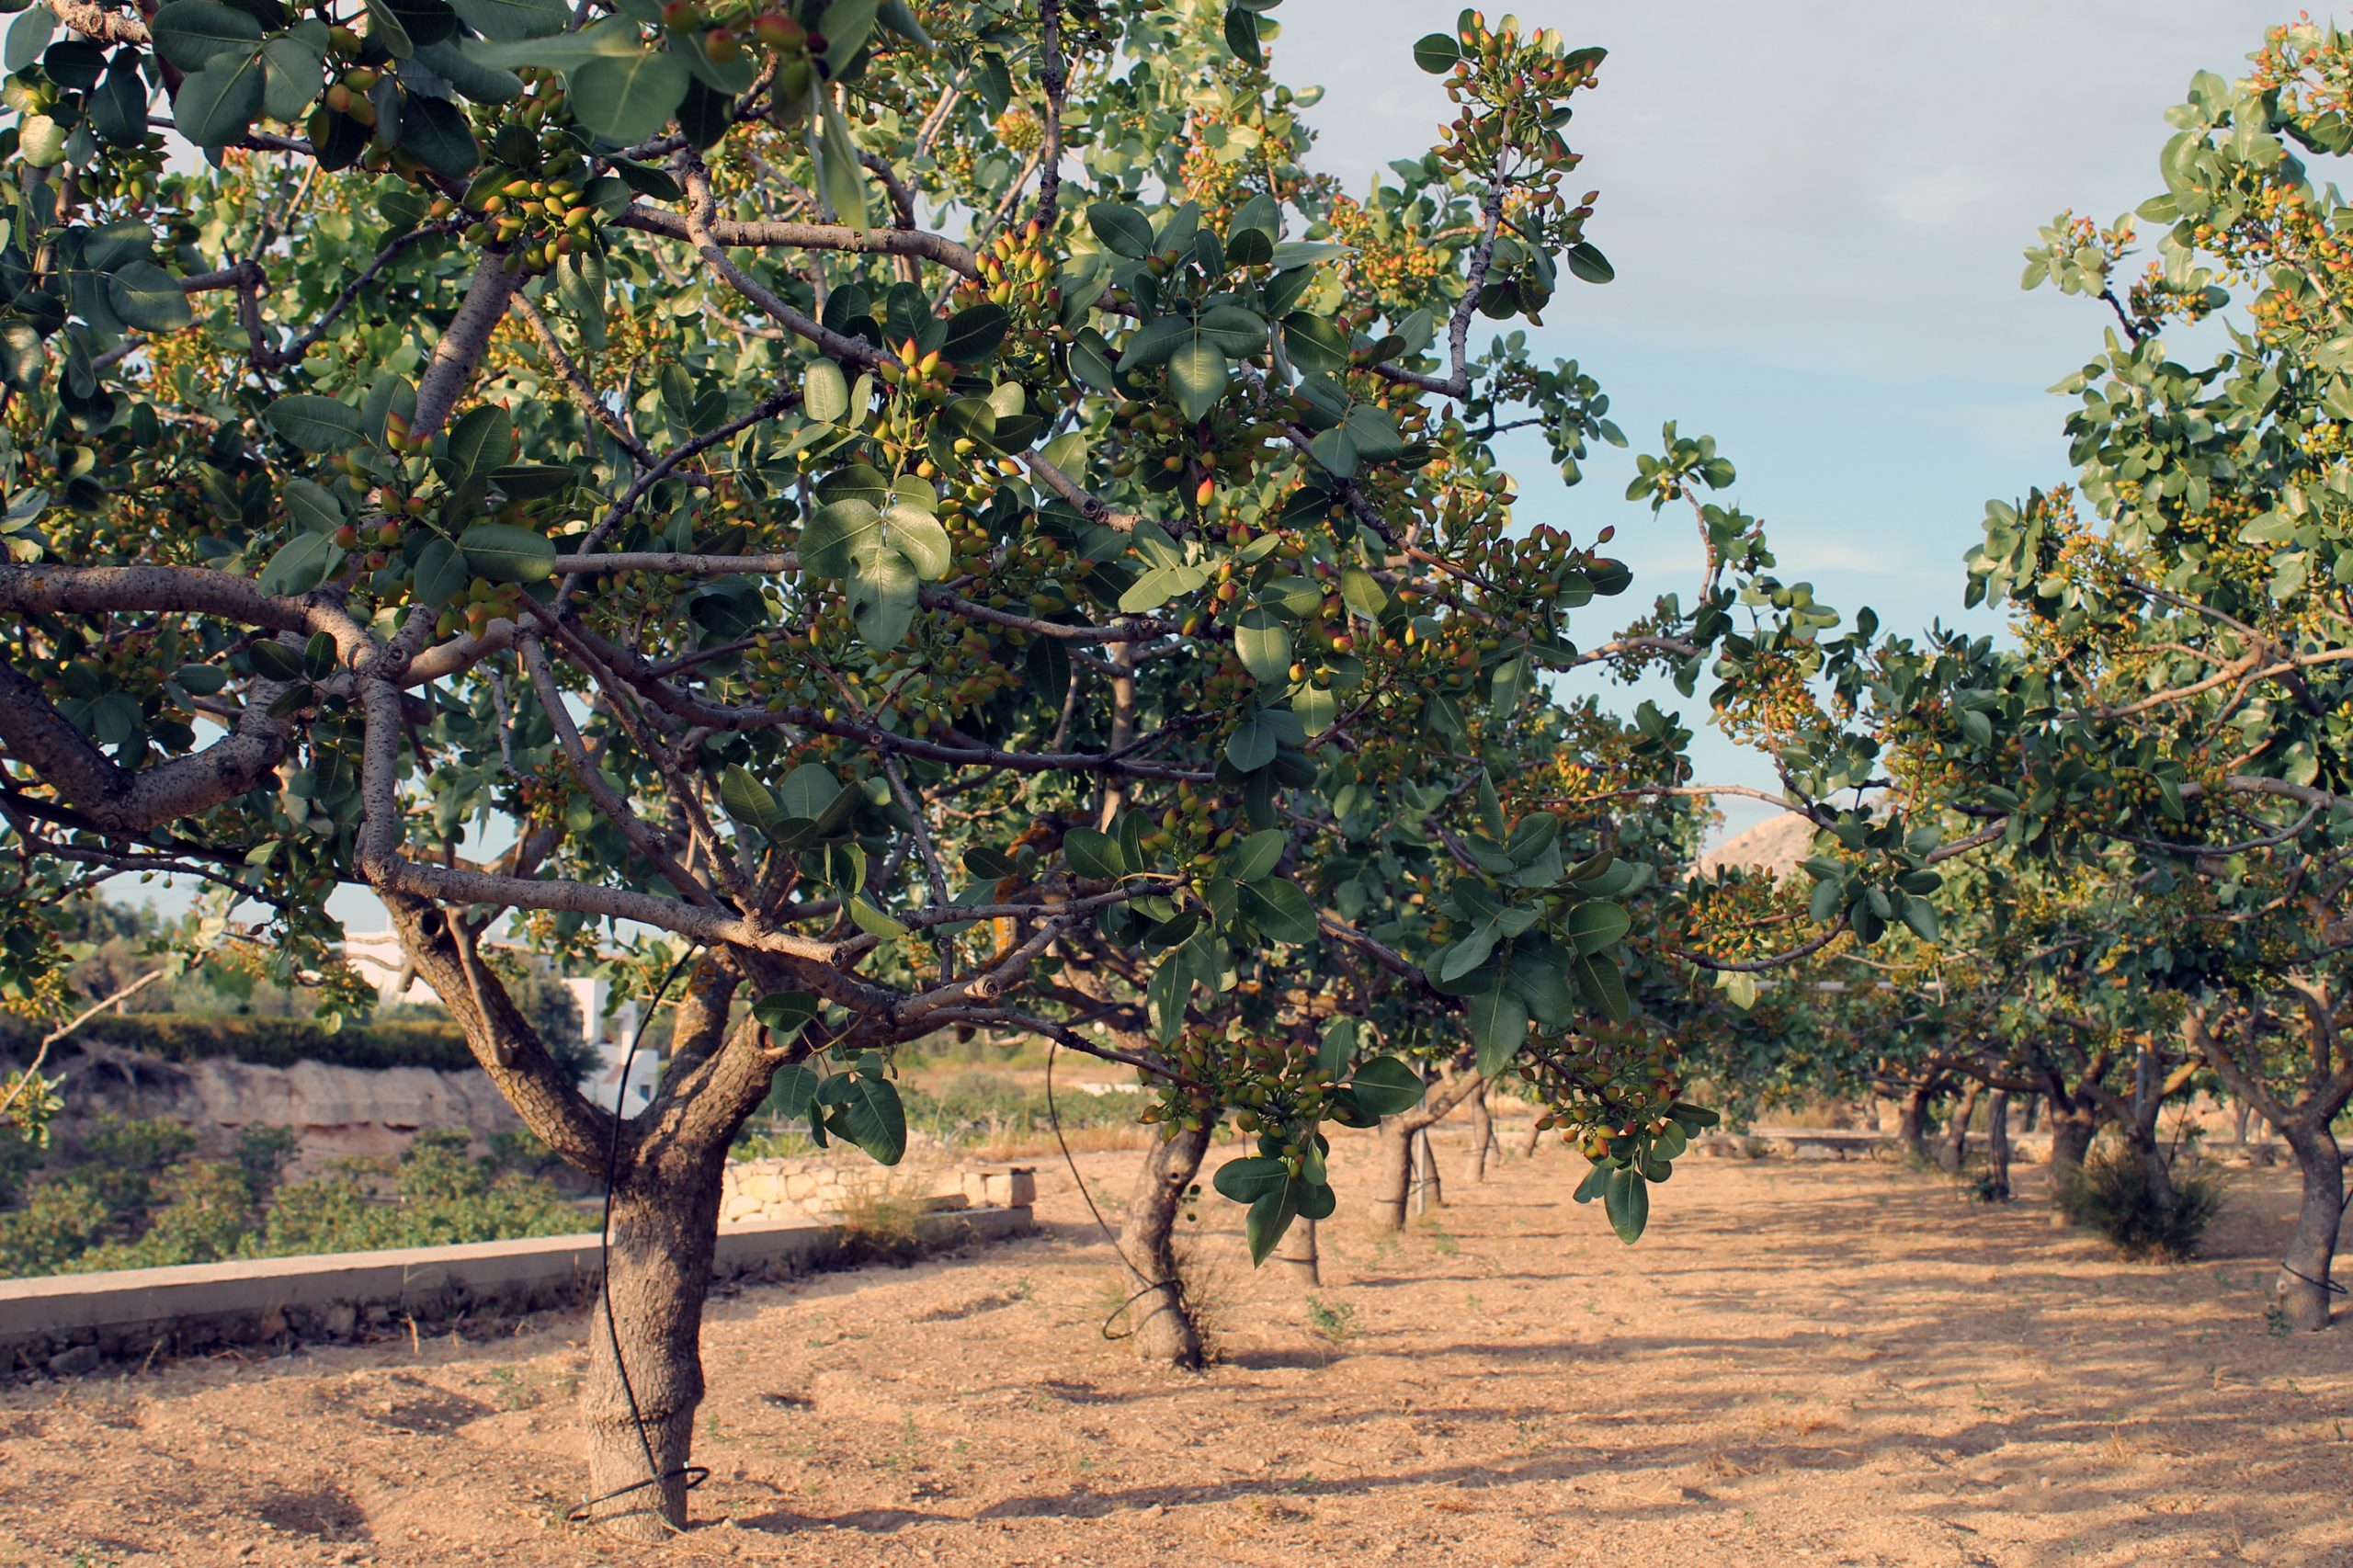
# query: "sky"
{"type": "Point", "coordinates": [1816, 211]}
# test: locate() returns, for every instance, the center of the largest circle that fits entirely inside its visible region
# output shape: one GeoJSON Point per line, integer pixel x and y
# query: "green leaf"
{"type": "Point", "coordinates": [842, 180]}
{"type": "Point", "coordinates": [616, 38]}
{"type": "Point", "coordinates": [436, 134]}
{"type": "Point", "coordinates": [118, 108]}
{"type": "Point", "coordinates": [28, 36]}
{"type": "Point", "coordinates": [481, 440]}
{"type": "Point", "coordinates": [1242, 36]}
{"type": "Point", "coordinates": [1280, 910]}
{"type": "Point", "coordinates": [748, 801]}
{"type": "Point", "coordinates": [628, 97]}
{"type": "Point", "coordinates": [847, 25]}
{"type": "Point", "coordinates": [1159, 338]}
{"type": "Point", "coordinates": [809, 791]}
{"type": "Point", "coordinates": [1094, 854]}
{"type": "Point", "coordinates": [1593, 927]}
{"type": "Point", "coordinates": [1498, 1028]}
{"type": "Point", "coordinates": [507, 21]}
{"type": "Point", "coordinates": [1197, 375]}
{"type": "Point", "coordinates": [300, 565]}
{"type": "Point", "coordinates": [1270, 1216]}
{"type": "Point", "coordinates": [872, 1117]}
{"type": "Point", "coordinates": [1626, 1198]}
{"type": "Point", "coordinates": [290, 76]}
{"type": "Point", "coordinates": [1386, 1086]}
{"type": "Point", "coordinates": [1337, 1049]}
{"type": "Point", "coordinates": [1122, 229]}
{"type": "Point", "coordinates": [441, 573]}
{"type": "Point", "coordinates": [830, 541]}
{"type": "Point", "coordinates": [146, 297]}
{"type": "Point", "coordinates": [317, 424]}
{"type": "Point", "coordinates": [1588, 262]}
{"type": "Point", "coordinates": [1263, 644]}
{"type": "Point", "coordinates": [1604, 987]}
{"type": "Point", "coordinates": [1255, 858]}
{"type": "Point", "coordinates": [188, 33]}
{"type": "Point", "coordinates": [1251, 744]}
{"type": "Point", "coordinates": [216, 104]}
{"type": "Point", "coordinates": [825, 391]}
{"type": "Point", "coordinates": [974, 334]}
{"type": "Point", "coordinates": [313, 506]}
{"type": "Point", "coordinates": [873, 920]}
{"type": "Point", "coordinates": [921, 537]}
{"type": "Point", "coordinates": [786, 1013]}
{"type": "Point", "coordinates": [882, 597]}
{"type": "Point", "coordinates": [1437, 54]}
{"type": "Point", "coordinates": [482, 83]}
{"type": "Point", "coordinates": [506, 553]}
{"type": "Point", "coordinates": [1248, 1179]}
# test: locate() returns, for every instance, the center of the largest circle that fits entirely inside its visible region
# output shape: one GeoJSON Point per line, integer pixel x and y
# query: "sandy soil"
{"type": "Point", "coordinates": [1803, 1363]}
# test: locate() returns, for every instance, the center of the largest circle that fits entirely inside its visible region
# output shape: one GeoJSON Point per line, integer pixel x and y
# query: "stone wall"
{"type": "Point", "coordinates": [819, 1188]}
{"type": "Point", "coordinates": [334, 1111]}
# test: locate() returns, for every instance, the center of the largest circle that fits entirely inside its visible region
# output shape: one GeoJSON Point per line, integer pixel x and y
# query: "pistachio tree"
{"type": "Point", "coordinates": [867, 498]}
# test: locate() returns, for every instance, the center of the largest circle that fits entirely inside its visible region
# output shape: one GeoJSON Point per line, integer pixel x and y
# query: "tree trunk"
{"type": "Point", "coordinates": [1911, 1127]}
{"type": "Point", "coordinates": [1165, 1330]}
{"type": "Point", "coordinates": [1997, 1147]}
{"type": "Point", "coordinates": [1535, 1140]}
{"type": "Point", "coordinates": [1429, 1188]}
{"type": "Point", "coordinates": [1482, 1137]}
{"type": "Point", "coordinates": [2073, 1129]}
{"type": "Point", "coordinates": [1393, 1172]}
{"type": "Point", "coordinates": [1952, 1152]}
{"type": "Point", "coordinates": [2034, 1109]}
{"type": "Point", "coordinates": [666, 1222]}
{"type": "Point", "coordinates": [1297, 1253]}
{"type": "Point", "coordinates": [2304, 1271]}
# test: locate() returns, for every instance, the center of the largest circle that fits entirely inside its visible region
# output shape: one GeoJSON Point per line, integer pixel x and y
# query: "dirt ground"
{"type": "Point", "coordinates": [1810, 1363]}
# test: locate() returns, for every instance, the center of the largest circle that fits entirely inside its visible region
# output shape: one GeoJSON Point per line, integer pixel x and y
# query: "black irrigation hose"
{"type": "Point", "coordinates": [1054, 1120]}
{"type": "Point", "coordinates": [655, 1476]}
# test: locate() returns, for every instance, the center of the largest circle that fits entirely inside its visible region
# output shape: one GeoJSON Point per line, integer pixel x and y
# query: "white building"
{"type": "Point", "coordinates": [377, 956]}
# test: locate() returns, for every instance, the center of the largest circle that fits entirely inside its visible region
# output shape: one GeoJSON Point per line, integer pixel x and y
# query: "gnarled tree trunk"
{"type": "Point", "coordinates": [1394, 1139]}
{"type": "Point", "coordinates": [1953, 1152]}
{"type": "Point", "coordinates": [1393, 1170]}
{"type": "Point", "coordinates": [664, 1226]}
{"type": "Point", "coordinates": [1429, 1186]}
{"type": "Point", "coordinates": [1997, 1147]}
{"type": "Point", "coordinates": [2304, 1269]}
{"type": "Point", "coordinates": [1911, 1127]}
{"type": "Point", "coordinates": [1535, 1140]}
{"type": "Point", "coordinates": [1165, 1330]}
{"type": "Point", "coordinates": [1482, 1137]}
{"type": "Point", "coordinates": [1298, 1253]}
{"type": "Point", "coordinates": [2073, 1127]}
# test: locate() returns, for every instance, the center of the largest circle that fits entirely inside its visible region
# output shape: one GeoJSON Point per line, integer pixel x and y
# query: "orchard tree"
{"type": "Point", "coordinates": [875, 495]}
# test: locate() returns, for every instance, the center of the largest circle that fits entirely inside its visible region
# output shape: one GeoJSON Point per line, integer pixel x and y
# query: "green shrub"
{"type": "Point", "coordinates": [2112, 1194]}
{"type": "Point", "coordinates": [134, 1200]}
{"type": "Point", "coordinates": [264, 1042]}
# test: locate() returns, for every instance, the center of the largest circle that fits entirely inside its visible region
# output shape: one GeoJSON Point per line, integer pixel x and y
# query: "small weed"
{"type": "Point", "coordinates": [1335, 1320]}
{"type": "Point", "coordinates": [1442, 1242]}
{"type": "Point", "coordinates": [881, 1221]}
{"type": "Point", "coordinates": [2112, 1194]}
{"type": "Point", "coordinates": [901, 1454]}
{"type": "Point", "coordinates": [2275, 1321]}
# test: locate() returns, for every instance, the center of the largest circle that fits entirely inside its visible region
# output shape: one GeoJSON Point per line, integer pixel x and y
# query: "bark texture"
{"type": "Point", "coordinates": [666, 1222]}
{"type": "Point", "coordinates": [1952, 1151]}
{"type": "Point", "coordinates": [1997, 1147]}
{"type": "Point", "coordinates": [1165, 1330]}
{"type": "Point", "coordinates": [1912, 1126]}
{"type": "Point", "coordinates": [1482, 1138]}
{"type": "Point", "coordinates": [1298, 1253]}
{"type": "Point", "coordinates": [2304, 1284]}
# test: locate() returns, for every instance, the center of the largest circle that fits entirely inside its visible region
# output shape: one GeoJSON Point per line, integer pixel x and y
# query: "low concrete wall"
{"type": "Point", "coordinates": [70, 1324]}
